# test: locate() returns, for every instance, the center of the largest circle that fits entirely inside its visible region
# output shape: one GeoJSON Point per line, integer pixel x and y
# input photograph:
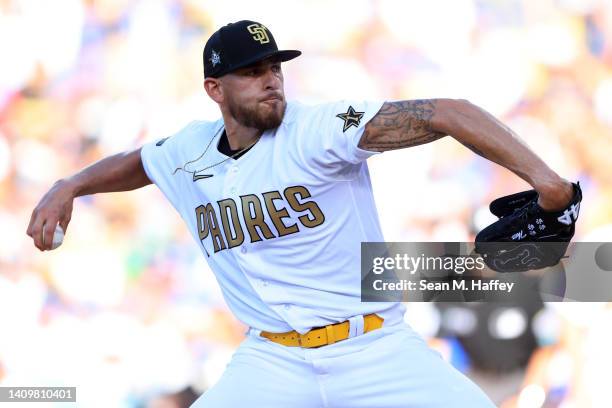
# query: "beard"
{"type": "Point", "coordinates": [260, 117]}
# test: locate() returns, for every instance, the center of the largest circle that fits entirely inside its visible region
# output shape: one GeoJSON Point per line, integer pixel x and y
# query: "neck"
{"type": "Point", "coordinates": [239, 136]}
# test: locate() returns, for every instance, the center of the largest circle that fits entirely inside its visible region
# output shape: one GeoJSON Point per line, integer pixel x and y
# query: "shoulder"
{"type": "Point", "coordinates": [293, 112]}
{"type": "Point", "coordinates": [299, 115]}
{"type": "Point", "coordinates": [194, 134]}
{"type": "Point", "coordinates": [296, 110]}
{"type": "Point", "coordinates": [196, 130]}
{"type": "Point", "coordinates": [339, 115]}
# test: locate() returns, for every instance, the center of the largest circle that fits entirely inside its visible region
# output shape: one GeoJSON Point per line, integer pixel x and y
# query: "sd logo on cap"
{"type": "Point", "coordinates": [259, 33]}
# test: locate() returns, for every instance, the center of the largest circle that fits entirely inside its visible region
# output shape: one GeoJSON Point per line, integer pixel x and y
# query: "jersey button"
{"type": "Point", "coordinates": [234, 169]}
{"type": "Point", "coordinates": [264, 282]}
{"type": "Point", "coordinates": [287, 307]}
{"type": "Point", "coordinates": [243, 249]}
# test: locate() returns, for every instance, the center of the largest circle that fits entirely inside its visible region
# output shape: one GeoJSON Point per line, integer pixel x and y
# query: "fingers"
{"type": "Point", "coordinates": [54, 207]}
{"type": "Point", "coordinates": [41, 230]}
{"type": "Point", "coordinates": [35, 230]}
{"type": "Point", "coordinates": [31, 224]}
{"type": "Point", "coordinates": [48, 232]}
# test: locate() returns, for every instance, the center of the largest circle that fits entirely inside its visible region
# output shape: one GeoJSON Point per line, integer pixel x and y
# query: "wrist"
{"type": "Point", "coordinates": [554, 195]}
{"type": "Point", "coordinates": [70, 185]}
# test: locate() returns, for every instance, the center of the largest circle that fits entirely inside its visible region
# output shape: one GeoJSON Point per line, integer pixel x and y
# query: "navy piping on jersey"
{"type": "Point", "coordinates": [225, 148]}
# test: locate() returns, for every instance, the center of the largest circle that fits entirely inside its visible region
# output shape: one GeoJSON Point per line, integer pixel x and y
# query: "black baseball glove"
{"type": "Point", "coordinates": [526, 236]}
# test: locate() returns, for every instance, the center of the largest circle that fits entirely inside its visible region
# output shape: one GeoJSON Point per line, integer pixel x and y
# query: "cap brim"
{"type": "Point", "coordinates": [284, 55]}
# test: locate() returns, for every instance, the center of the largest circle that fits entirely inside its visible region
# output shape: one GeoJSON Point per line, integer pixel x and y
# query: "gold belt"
{"type": "Point", "coordinates": [324, 335]}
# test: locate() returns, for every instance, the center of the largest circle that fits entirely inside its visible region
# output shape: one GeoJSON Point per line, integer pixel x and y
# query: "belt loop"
{"type": "Point", "coordinates": [356, 326]}
{"type": "Point", "coordinates": [253, 332]}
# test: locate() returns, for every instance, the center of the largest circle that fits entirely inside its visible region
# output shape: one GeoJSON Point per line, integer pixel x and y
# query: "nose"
{"type": "Point", "coordinates": [273, 80]}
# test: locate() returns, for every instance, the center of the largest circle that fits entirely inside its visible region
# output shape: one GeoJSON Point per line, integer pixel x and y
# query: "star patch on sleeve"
{"type": "Point", "coordinates": [350, 118]}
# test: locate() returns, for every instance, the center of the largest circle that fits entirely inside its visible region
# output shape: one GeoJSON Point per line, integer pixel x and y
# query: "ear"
{"type": "Point", "coordinates": [214, 89]}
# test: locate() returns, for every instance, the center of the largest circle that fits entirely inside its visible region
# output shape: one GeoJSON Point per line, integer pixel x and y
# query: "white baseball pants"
{"type": "Point", "coordinates": [391, 367]}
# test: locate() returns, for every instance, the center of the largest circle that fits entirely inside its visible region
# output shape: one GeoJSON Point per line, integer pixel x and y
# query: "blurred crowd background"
{"type": "Point", "coordinates": [127, 309]}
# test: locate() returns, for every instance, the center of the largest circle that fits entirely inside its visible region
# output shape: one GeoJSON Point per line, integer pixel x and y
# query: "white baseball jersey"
{"type": "Point", "coordinates": [281, 227]}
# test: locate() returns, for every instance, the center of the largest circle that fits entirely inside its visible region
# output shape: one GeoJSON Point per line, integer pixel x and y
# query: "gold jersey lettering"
{"type": "Point", "coordinates": [227, 231]}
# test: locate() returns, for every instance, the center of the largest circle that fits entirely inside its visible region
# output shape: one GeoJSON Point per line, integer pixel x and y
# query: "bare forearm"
{"type": "Point", "coordinates": [119, 172]}
{"type": "Point", "coordinates": [409, 123]}
{"type": "Point", "coordinates": [490, 138]}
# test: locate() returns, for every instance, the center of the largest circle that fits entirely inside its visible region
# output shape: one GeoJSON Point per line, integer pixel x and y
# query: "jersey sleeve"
{"type": "Point", "coordinates": [332, 132]}
{"type": "Point", "coordinates": [159, 160]}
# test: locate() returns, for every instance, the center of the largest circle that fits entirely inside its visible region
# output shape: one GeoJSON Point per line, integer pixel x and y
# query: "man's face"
{"type": "Point", "coordinates": [254, 95]}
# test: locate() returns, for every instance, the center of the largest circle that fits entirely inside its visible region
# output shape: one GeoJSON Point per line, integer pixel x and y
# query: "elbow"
{"type": "Point", "coordinates": [451, 115]}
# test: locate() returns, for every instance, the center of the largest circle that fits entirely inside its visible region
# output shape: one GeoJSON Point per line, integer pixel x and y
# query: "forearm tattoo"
{"type": "Point", "coordinates": [401, 124]}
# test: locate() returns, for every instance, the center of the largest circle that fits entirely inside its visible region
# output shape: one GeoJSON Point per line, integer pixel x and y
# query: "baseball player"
{"type": "Point", "coordinates": [278, 197]}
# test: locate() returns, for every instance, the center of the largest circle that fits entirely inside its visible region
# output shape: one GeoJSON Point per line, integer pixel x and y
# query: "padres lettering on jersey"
{"type": "Point", "coordinates": [251, 211]}
{"type": "Point", "coordinates": [280, 227]}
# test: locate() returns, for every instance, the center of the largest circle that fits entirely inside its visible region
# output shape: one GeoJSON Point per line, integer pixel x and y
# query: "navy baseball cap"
{"type": "Point", "coordinates": [238, 45]}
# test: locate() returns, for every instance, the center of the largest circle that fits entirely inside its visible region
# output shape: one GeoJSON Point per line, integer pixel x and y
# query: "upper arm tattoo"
{"type": "Point", "coordinates": [400, 124]}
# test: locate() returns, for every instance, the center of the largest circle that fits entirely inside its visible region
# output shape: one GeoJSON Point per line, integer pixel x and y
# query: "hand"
{"type": "Point", "coordinates": [556, 195]}
{"type": "Point", "coordinates": [54, 207]}
{"type": "Point", "coordinates": [530, 234]}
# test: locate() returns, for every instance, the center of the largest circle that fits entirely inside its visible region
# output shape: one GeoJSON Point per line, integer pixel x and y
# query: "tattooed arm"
{"type": "Point", "coordinates": [401, 124]}
{"type": "Point", "coordinates": [415, 122]}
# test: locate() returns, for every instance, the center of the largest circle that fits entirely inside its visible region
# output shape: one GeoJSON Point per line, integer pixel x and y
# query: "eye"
{"type": "Point", "coordinates": [276, 67]}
